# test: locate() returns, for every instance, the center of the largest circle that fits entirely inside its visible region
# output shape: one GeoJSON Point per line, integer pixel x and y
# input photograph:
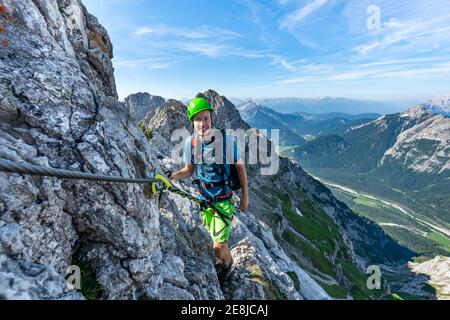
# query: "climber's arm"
{"type": "Point", "coordinates": [242, 174]}
{"type": "Point", "coordinates": [188, 168]}
{"type": "Point", "coordinates": [184, 173]}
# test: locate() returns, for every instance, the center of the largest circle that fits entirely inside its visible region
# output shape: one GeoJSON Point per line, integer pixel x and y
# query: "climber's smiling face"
{"type": "Point", "coordinates": [202, 123]}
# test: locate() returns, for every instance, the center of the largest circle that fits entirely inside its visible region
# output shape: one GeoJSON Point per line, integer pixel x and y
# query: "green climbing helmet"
{"type": "Point", "coordinates": [196, 106]}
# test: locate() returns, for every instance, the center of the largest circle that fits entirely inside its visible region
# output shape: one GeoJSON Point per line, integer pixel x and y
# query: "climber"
{"type": "Point", "coordinates": [214, 178]}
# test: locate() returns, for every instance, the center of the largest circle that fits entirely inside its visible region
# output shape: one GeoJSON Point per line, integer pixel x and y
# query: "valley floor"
{"type": "Point", "coordinates": [429, 275]}
{"type": "Point", "coordinates": [402, 223]}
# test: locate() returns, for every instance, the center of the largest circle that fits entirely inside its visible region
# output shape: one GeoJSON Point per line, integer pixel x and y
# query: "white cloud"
{"type": "Point", "coordinates": [294, 80]}
{"type": "Point", "coordinates": [348, 75]}
{"type": "Point", "coordinates": [209, 49]}
{"type": "Point", "coordinates": [414, 42]}
{"type": "Point", "coordinates": [255, 9]}
{"type": "Point", "coordinates": [295, 18]}
{"type": "Point", "coordinates": [432, 71]}
{"type": "Point", "coordinates": [276, 59]}
{"type": "Point", "coordinates": [202, 32]}
{"type": "Point", "coordinates": [416, 68]}
{"type": "Point", "coordinates": [212, 50]}
{"type": "Point", "coordinates": [152, 63]}
{"type": "Point", "coordinates": [284, 2]}
{"type": "Point", "coordinates": [319, 68]}
{"type": "Point", "coordinates": [404, 61]}
{"type": "Point", "coordinates": [409, 32]}
{"type": "Point", "coordinates": [414, 34]}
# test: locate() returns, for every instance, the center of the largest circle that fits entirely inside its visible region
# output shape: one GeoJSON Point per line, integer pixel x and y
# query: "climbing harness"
{"type": "Point", "coordinates": [163, 184]}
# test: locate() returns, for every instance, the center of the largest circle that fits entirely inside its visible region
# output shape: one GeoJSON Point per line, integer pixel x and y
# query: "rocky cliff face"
{"type": "Point", "coordinates": [59, 108]}
{"type": "Point", "coordinates": [423, 148]}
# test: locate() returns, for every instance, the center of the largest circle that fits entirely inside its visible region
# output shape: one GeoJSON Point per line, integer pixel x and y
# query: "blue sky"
{"type": "Point", "coordinates": [280, 48]}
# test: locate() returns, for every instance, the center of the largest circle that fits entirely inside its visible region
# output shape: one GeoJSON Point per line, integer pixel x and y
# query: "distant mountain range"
{"type": "Point", "coordinates": [407, 151]}
{"type": "Point", "coordinates": [325, 105]}
{"type": "Point", "coordinates": [295, 127]}
{"type": "Point", "coordinates": [261, 117]}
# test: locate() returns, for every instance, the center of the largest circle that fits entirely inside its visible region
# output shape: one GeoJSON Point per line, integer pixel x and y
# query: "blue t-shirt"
{"type": "Point", "coordinates": [208, 167]}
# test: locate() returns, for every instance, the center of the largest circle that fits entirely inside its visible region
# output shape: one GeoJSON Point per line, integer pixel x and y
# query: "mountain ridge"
{"type": "Point", "coordinates": [297, 127]}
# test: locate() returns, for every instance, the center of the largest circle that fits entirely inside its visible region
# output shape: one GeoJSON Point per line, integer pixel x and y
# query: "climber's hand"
{"type": "Point", "coordinates": [173, 175]}
{"type": "Point", "coordinates": [244, 203]}
{"type": "Point", "coordinates": [184, 173]}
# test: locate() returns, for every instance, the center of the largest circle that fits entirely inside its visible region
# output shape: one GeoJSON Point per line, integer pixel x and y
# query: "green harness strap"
{"type": "Point", "coordinates": [163, 184]}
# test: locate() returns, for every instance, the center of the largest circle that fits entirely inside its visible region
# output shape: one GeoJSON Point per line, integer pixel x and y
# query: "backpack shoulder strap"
{"type": "Point", "coordinates": [224, 144]}
{"type": "Point", "coordinates": [225, 175]}
{"type": "Point", "coordinates": [193, 143]}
